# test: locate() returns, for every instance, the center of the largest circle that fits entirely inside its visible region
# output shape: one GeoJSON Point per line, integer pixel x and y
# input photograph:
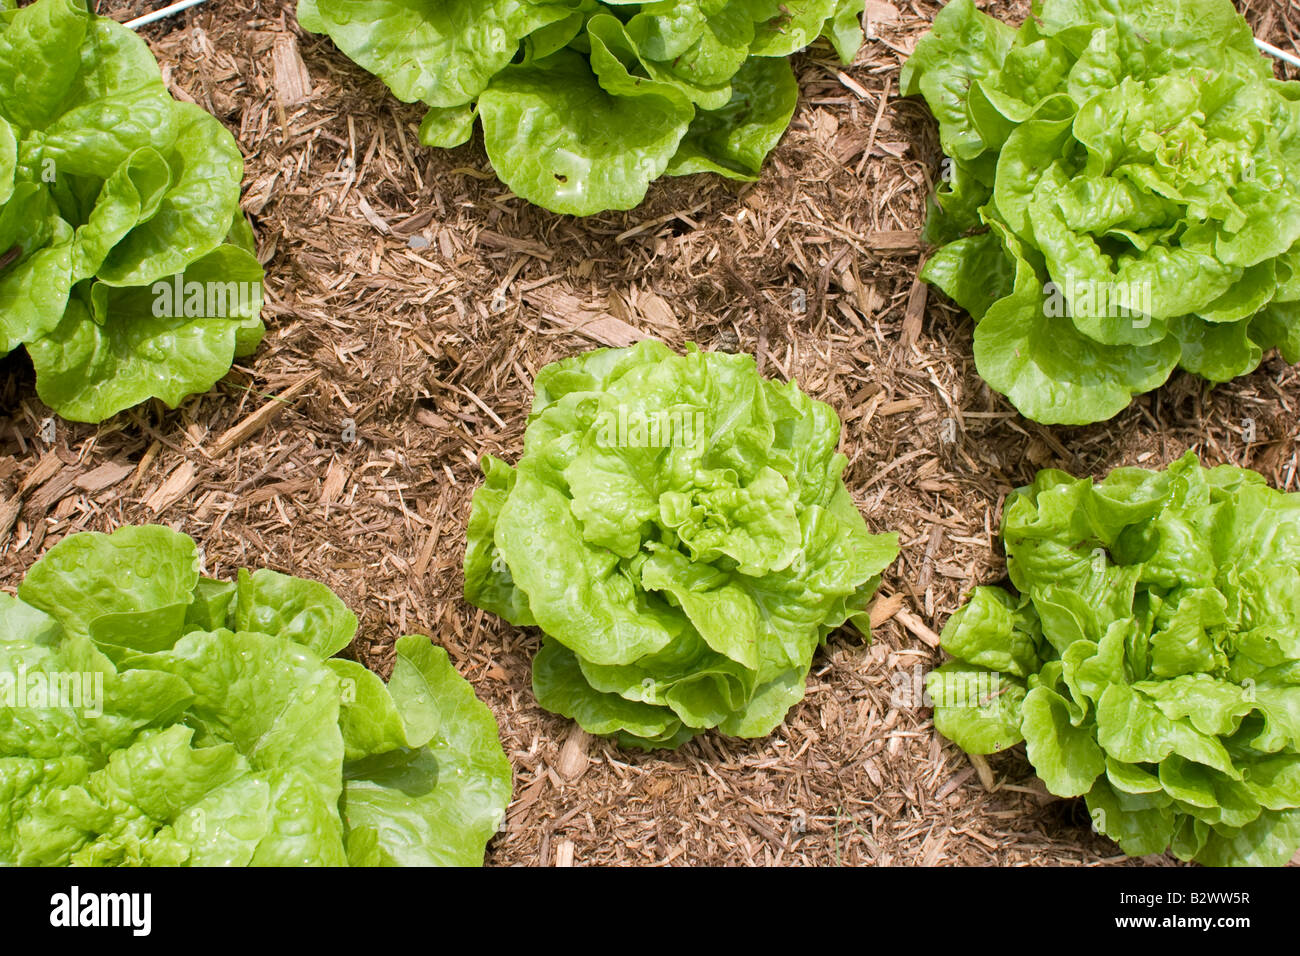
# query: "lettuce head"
{"type": "Point", "coordinates": [1121, 197]}
{"type": "Point", "coordinates": [679, 530]}
{"type": "Point", "coordinates": [150, 716]}
{"type": "Point", "coordinates": [126, 267]}
{"type": "Point", "coordinates": [583, 104]}
{"type": "Point", "coordinates": [1148, 657]}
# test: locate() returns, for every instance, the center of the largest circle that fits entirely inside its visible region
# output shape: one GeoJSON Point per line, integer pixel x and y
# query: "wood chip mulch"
{"type": "Point", "coordinates": [411, 300]}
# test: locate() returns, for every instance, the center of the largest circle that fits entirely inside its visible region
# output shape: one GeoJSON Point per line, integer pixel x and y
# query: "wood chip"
{"type": "Point", "coordinates": [45, 469]}
{"type": "Point", "coordinates": [573, 755]}
{"type": "Point", "coordinates": [655, 310]}
{"type": "Point", "coordinates": [564, 853]}
{"type": "Point", "coordinates": [426, 555]}
{"type": "Point", "coordinates": [146, 460]}
{"type": "Point", "coordinates": [852, 84]}
{"type": "Point", "coordinates": [494, 240]}
{"type": "Point", "coordinates": [915, 315]}
{"type": "Point", "coordinates": [932, 850]}
{"type": "Point", "coordinates": [766, 832]}
{"type": "Point", "coordinates": [51, 493]}
{"type": "Point", "coordinates": [884, 608]}
{"type": "Point", "coordinates": [9, 511]}
{"type": "Point", "coordinates": [372, 217]}
{"type": "Point", "coordinates": [560, 306]}
{"type": "Point", "coordinates": [529, 797]}
{"type": "Point", "coordinates": [985, 771]}
{"type": "Point", "coordinates": [879, 12]}
{"type": "Point", "coordinates": [917, 627]}
{"type": "Point", "coordinates": [954, 783]}
{"type": "Point", "coordinates": [893, 240]}
{"type": "Point", "coordinates": [898, 408]}
{"type": "Point", "coordinates": [255, 422]}
{"type": "Point", "coordinates": [332, 487]}
{"type": "Point", "coordinates": [105, 476]}
{"type": "Point", "coordinates": [288, 71]}
{"type": "Point", "coordinates": [176, 487]}
{"type": "Point", "coordinates": [267, 492]}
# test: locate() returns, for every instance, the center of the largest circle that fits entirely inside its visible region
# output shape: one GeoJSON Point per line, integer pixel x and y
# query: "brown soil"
{"type": "Point", "coordinates": [428, 348]}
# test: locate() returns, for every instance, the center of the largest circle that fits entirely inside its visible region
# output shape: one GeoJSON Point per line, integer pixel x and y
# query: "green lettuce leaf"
{"type": "Point", "coordinates": [108, 187]}
{"type": "Point", "coordinates": [151, 717]}
{"type": "Point", "coordinates": [583, 103]}
{"type": "Point", "coordinates": [1127, 173]}
{"type": "Point", "coordinates": [1157, 635]}
{"type": "Point", "coordinates": [679, 529]}
{"type": "Point", "coordinates": [440, 799]}
{"type": "Point", "coordinates": [577, 141]}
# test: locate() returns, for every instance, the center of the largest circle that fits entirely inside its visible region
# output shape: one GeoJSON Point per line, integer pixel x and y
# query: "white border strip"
{"type": "Point", "coordinates": [165, 12]}
{"type": "Point", "coordinates": [1271, 50]}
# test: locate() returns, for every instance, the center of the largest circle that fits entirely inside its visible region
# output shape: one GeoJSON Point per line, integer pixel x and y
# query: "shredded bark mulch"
{"type": "Point", "coordinates": [411, 300]}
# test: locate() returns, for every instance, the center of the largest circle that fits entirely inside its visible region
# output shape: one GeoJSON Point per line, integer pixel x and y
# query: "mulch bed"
{"type": "Point", "coordinates": [411, 300]}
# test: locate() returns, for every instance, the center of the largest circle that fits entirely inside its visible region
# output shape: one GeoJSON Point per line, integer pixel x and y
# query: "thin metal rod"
{"type": "Point", "coordinates": [157, 15]}
{"type": "Point", "coordinates": [175, 8]}
{"type": "Point", "coordinates": [1271, 50]}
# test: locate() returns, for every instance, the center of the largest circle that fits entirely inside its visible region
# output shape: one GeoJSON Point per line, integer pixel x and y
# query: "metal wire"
{"type": "Point", "coordinates": [1286, 57]}
{"type": "Point", "coordinates": [165, 12]}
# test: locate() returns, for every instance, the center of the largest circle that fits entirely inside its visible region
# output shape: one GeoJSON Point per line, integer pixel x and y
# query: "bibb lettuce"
{"type": "Point", "coordinates": [1121, 197]}
{"type": "Point", "coordinates": [583, 104]}
{"type": "Point", "coordinates": [155, 717]}
{"type": "Point", "coordinates": [1149, 657]}
{"type": "Point", "coordinates": [679, 530]}
{"type": "Point", "coordinates": [113, 196]}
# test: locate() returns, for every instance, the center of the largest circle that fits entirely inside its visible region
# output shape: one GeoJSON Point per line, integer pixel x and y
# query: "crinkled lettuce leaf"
{"type": "Point", "coordinates": [153, 717]}
{"type": "Point", "coordinates": [1121, 197]}
{"type": "Point", "coordinates": [437, 799]}
{"type": "Point", "coordinates": [679, 529]}
{"type": "Point", "coordinates": [584, 104]}
{"type": "Point", "coordinates": [1149, 659]}
{"type": "Point", "coordinates": [112, 194]}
